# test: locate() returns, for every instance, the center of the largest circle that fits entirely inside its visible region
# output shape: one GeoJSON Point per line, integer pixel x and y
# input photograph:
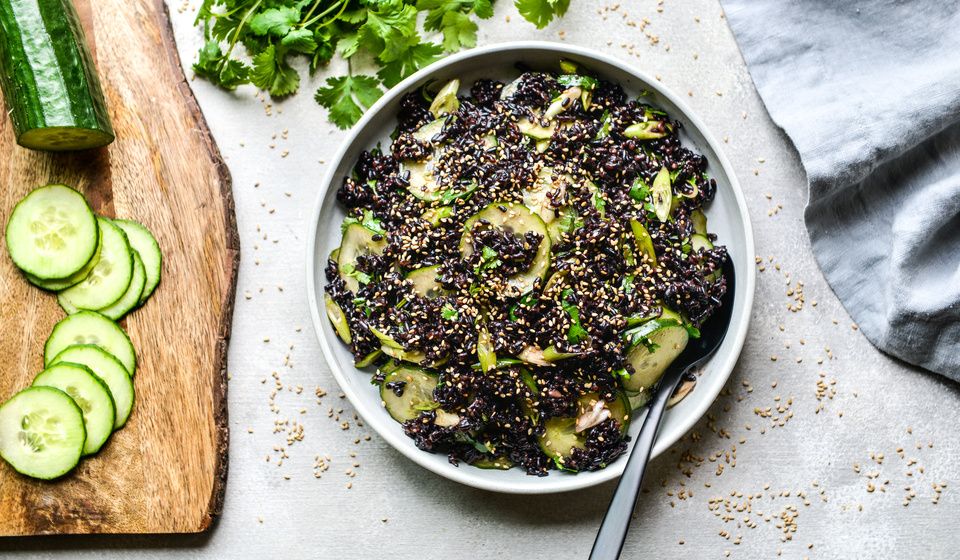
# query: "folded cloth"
{"type": "Point", "coordinates": [869, 92]}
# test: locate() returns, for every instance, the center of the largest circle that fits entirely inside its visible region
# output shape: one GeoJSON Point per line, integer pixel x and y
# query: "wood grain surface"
{"type": "Point", "coordinates": [165, 471]}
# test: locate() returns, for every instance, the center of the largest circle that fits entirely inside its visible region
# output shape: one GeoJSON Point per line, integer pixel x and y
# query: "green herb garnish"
{"type": "Point", "coordinates": [386, 32]}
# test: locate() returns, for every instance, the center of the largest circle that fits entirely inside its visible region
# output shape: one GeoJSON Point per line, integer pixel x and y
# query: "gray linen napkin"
{"type": "Point", "coordinates": [869, 92]}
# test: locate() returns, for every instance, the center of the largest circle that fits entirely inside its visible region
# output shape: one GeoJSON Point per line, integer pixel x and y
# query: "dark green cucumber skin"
{"type": "Point", "coordinates": [46, 70]}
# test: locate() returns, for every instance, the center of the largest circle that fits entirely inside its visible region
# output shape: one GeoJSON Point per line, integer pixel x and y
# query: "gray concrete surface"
{"type": "Point", "coordinates": [749, 481]}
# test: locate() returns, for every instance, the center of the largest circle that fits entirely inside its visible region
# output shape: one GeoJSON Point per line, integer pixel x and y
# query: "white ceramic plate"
{"type": "Point", "coordinates": [727, 216]}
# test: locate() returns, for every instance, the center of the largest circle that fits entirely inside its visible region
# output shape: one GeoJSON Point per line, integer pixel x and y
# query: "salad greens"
{"type": "Point", "coordinates": [272, 32]}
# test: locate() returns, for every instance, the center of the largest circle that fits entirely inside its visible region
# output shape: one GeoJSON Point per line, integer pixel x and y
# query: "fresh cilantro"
{"type": "Point", "coordinates": [368, 221]}
{"type": "Point", "coordinates": [272, 73]}
{"type": "Point", "coordinates": [387, 32]}
{"type": "Point", "coordinates": [350, 270]}
{"type": "Point", "coordinates": [622, 372]}
{"type": "Point", "coordinates": [488, 259]}
{"type": "Point", "coordinates": [576, 332]}
{"type": "Point", "coordinates": [627, 284]}
{"type": "Point", "coordinates": [526, 301]}
{"type": "Point", "coordinates": [344, 96]}
{"type": "Point", "coordinates": [449, 313]}
{"type": "Point", "coordinates": [604, 126]}
{"type": "Point", "coordinates": [570, 221]}
{"type": "Point", "coordinates": [453, 194]}
{"type": "Point", "coordinates": [599, 203]}
{"type": "Point", "coordinates": [693, 331]}
{"type": "Point", "coordinates": [584, 82]}
{"type": "Point", "coordinates": [541, 12]}
{"type": "Point", "coordinates": [363, 305]}
{"type": "Point", "coordinates": [639, 190]}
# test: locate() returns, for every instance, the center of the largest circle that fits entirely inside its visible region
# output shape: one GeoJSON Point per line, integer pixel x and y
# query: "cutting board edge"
{"type": "Point", "coordinates": [215, 507]}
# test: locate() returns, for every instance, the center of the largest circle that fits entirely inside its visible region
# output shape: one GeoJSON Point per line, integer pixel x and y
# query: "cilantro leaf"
{"type": "Point", "coordinates": [449, 312]}
{"type": "Point", "coordinates": [345, 95]}
{"type": "Point", "coordinates": [390, 30]}
{"type": "Point", "coordinates": [300, 40]}
{"type": "Point", "coordinates": [368, 221]}
{"type": "Point", "coordinates": [576, 332]}
{"type": "Point", "coordinates": [459, 31]}
{"type": "Point", "coordinates": [541, 12]}
{"type": "Point", "coordinates": [350, 270]}
{"type": "Point", "coordinates": [639, 190]}
{"type": "Point", "coordinates": [272, 73]}
{"type": "Point", "coordinates": [414, 59]}
{"type": "Point", "coordinates": [275, 21]}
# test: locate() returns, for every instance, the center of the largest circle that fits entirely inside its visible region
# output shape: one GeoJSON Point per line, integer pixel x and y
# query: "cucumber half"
{"type": "Point", "coordinates": [41, 432]}
{"type": "Point", "coordinates": [516, 219]}
{"type": "Point", "coordinates": [145, 244]}
{"type": "Point", "coordinates": [131, 298]}
{"type": "Point", "coordinates": [52, 233]}
{"type": "Point", "coordinates": [90, 327]}
{"type": "Point", "coordinates": [415, 387]}
{"type": "Point", "coordinates": [107, 368]}
{"type": "Point", "coordinates": [109, 280]}
{"type": "Point", "coordinates": [49, 80]}
{"type": "Point", "coordinates": [91, 395]}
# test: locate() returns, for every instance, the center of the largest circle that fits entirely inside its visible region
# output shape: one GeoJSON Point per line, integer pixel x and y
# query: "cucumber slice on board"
{"type": "Point", "coordinates": [415, 387]}
{"type": "Point", "coordinates": [146, 244]}
{"type": "Point", "coordinates": [357, 241]}
{"type": "Point", "coordinates": [73, 279]}
{"type": "Point", "coordinates": [41, 432]}
{"type": "Point", "coordinates": [107, 368]}
{"type": "Point", "coordinates": [92, 396]}
{"type": "Point", "coordinates": [52, 233]}
{"type": "Point", "coordinates": [517, 219]}
{"type": "Point", "coordinates": [109, 280]}
{"type": "Point", "coordinates": [48, 77]}
{"type": "Point", "coordinates": [131, 298]}
{"type": "Point", "coordinates": [90, 327]}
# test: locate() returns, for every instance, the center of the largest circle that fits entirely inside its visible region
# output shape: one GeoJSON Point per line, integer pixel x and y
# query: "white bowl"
{"type": "Point", "coordinates": [727, 216]}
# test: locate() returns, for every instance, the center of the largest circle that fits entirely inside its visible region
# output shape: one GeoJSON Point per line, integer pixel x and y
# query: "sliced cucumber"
{"type": "Point", "coordinates": [561, 435]}
{"type": "Point", "coordinates": [643, 242]}
{"type": "Point", "coordinates": [41, 432]}
{"type": "Point", "coordinates": [700, 243]}
{"type": "Point", "coordinates": [427, 132]}
{"type": "Point", "coordinates": [537, 131]}
{"type": "Point", "coordinates": [146, 244]}
{"type": "Point", "coordinates": [368, 359]}
{"type": "Point", "coordinates": [699, 220]}
{"type": "Point", "coordinates": [131, 298]}
{"type": "Point", "coordinates": [90, 327]}
{"type": "Point", "coordinates": [665, 340]}
{"type": "Point", "coordinates": [107, 368]}
{"type": "Point", "coordinates": [662, 194]}
{"type": "Point", "coordinates": [92, 396]}
{"type": "Point", "coordinates": [337, 319]}
{"type": "Point", "coordinates": [548, 187]}
{"type": "Point", "coordinates": [73, 279]}
{"type": "Point", "coordinates": [496, 463]}
{"type": "Point", "coordinates": [109, 280]}
{"type": "Point", "coordinates": [52, 233]}
{"type": "Point", "coordinates": [516, 219]}
{"type": "Point", "coordinates": [446, 100]}
{"type": "Point", "coordinates": [425, 282]}
{"type": "Point", "coordinates": [416, 392]}
{"type": "Point", "coordinates": [357, 241]}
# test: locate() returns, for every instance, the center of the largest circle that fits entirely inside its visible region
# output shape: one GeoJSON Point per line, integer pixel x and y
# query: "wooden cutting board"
{"type": "Point", "coordinates": [164, 472]}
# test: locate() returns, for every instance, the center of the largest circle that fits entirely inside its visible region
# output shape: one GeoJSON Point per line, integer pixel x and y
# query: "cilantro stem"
{"type": "Point", "coordinates": [236, 32]}
{"type": "Point", "coordinates": [343, 6]}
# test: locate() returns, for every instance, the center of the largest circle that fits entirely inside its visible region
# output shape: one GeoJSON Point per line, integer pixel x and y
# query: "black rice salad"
{"type": "Point", "coordinates": [522, 265]}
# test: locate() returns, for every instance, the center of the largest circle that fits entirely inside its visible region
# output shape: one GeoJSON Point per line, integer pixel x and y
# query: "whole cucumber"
{"type": "Point", "coordinates": [48, 78]}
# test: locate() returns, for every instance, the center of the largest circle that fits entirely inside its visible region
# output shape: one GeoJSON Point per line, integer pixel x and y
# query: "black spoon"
{"type": "Point", "coordinates": [613, 530]}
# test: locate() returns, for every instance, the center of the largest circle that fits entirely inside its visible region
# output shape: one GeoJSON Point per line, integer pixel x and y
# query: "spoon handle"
{"type": "Point", "coordinates": [616, 522]}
